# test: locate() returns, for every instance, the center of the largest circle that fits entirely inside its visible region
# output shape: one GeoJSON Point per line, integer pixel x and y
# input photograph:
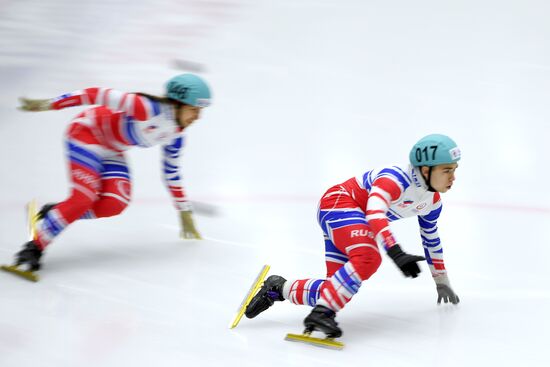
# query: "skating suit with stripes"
{"type": "Point", "coordinates": [355, 217]}
{"type": "Point", "coordinates": [96, 140]}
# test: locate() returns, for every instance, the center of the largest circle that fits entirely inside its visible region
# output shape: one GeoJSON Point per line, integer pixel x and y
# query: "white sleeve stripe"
{"type": "Point", "coordinates": [376, 203]}
{"type": "Point", "coordinates": [376, 216]}
{"type": "Point", "coordinates": [382, 192]}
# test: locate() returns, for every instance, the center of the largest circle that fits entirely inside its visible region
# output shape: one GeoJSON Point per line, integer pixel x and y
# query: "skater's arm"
{"type": "Point", "coordinates": [384, 190]}
{"type": "Point", "coordinates": [172, 179]}
{"type": "Point", "coordinates": [135, 105]}
{"type": "Point", "coordinates": [430, 238]}
{"type": "Point", "coordinates": [171, 173]}
{"type": "Point", "coordinates": [434, 253]}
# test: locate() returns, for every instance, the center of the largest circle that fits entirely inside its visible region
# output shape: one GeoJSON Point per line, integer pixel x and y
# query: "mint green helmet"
{"type": "Point", "coordinates": [433, 150]}
{"type": "Point", "coordinates": [188, 89]}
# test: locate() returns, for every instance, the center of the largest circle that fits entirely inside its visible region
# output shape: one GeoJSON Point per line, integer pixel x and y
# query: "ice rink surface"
{"type": "Point", "coordinates": [306, 94]}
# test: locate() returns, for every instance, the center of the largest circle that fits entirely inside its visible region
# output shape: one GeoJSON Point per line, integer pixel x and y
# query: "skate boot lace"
{"type": "Point", "coordinates": [273, 294]}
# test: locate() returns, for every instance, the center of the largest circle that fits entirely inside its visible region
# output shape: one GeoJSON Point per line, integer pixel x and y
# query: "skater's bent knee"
{"type": "Point", "coordinates": [366, 262]}
{"type": "Point", "coordinates": [109, 207]}
{"type": "Point", "coordinates": [80, 201]}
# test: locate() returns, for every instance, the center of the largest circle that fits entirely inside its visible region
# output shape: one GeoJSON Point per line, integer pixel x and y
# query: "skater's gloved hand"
{"type": "Point", "coordinates": [444, 290]}
{"type": "Point", "coordinates": [188, 230]}
{"type": "Point", "coordinates": [34, 105]}
{"type": "Point", "coordinates": [407, 263]}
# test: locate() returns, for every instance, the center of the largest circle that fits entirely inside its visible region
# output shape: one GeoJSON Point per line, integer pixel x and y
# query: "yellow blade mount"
{"type": "Point", "coordinates": [32, 211]}
{"type": "Point", "coordinates": [320, 342]}
{"type": "Point", "coordinates": [27, 274]}
{"type": "Point", "coordinates": [251, 293]}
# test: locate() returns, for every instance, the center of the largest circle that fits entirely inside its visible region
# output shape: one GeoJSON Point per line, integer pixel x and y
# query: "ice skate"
{"type": "Point", "coordinates": [321, 319]}
{"type": "Point", "coordinates": [44, 210]}
{"type": "Point", "coordinates": [271, 291]}
{"type": "Point", "coordinates": [251, 292]}
{"type": "Point", "coordinates": [29, 257]}
{"type": "Point", "coordinates": [27, 261]}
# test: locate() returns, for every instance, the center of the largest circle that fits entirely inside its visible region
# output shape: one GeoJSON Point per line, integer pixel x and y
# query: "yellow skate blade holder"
{"type": "Point", "coordinates": [27, 274]}
{"type": "Point", "coordinates": [251, 293]}
{"type": "Point", "coordinates": [330, 343]}
{"type": "Point", "coordinates": [32, 218]}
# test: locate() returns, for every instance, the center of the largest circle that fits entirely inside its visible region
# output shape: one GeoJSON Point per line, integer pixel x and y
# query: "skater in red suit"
{"type": "Point", "coordinates": [96, 141]}
{"type": "Point", "coordinates": [355, 217]}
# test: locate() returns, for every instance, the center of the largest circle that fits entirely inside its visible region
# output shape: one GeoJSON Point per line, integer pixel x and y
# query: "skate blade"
{"type": "Point", "coordinates": [319, 342]}
{"type": "Point", "coordinates": [26, 274]}
{"type": "Point", "coordinates": [251, 293]}
{"type": "Point", "coordinates": [32, 212]}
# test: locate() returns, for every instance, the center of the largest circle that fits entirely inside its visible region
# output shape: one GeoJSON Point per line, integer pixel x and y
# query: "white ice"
{"type": "Point", "coordinates": [306, 94]}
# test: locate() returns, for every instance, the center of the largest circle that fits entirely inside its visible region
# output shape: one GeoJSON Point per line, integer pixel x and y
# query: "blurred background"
{"type": "Point", "coordinates": [306, 94]}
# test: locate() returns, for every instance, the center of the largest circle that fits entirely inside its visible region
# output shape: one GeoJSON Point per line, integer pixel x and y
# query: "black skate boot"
{"type": "Point", "coordinates": [44, 210]}
{"type": "Point", "coordinates": [271, 291]}
{"type": "Point", "coordinates": [323, 319]}
{"type": "Point", "coordinates": [29, 257]}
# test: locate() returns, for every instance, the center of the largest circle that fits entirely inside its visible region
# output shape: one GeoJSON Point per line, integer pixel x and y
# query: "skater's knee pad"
{"type": "Point", "coordinates": [366, 260]}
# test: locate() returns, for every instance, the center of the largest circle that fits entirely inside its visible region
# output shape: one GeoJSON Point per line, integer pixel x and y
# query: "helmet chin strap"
{"type": "Point", "coordinates": [429, 180]}
{"type": "Point", "coordinates": [177, 110]}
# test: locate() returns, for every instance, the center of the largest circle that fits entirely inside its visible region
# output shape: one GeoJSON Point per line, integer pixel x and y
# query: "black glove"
{"type": "Point", "coordinates": [405, 262]}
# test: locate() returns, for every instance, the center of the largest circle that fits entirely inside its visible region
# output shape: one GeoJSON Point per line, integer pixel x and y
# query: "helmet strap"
{"type": "Point", "coordinates": [177, 110]}
{"type": "Point", "coordinates": [429, 180]}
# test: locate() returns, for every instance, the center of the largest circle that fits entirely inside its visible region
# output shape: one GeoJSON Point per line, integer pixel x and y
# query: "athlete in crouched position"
{"type": "Point", "coordinates": [355, 216]}
{"type": "Point", "coordinates": [96, 141]}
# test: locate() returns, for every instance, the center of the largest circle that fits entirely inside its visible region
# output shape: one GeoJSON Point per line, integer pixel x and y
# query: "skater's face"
{"type": "Point", "coordinates": [188, 114]}
{"type": "Point", "coordinates": [442, 177]}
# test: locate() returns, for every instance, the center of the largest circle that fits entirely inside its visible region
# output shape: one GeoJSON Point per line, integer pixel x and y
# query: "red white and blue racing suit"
{"type": "Point", "coordinates": [355, 217]}
{"type": "Point", "coordinates": [96, 140]}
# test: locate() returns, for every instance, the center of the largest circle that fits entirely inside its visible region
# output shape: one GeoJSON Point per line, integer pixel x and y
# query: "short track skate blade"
{"type": "Point", "coordinates": [26, 274]}
{"type": "Point", "coordinates": [251, 293]}
{"type": "Point", "coordinates": [32, 212]}
{"type": "Point", "coordinates": [319, 342]}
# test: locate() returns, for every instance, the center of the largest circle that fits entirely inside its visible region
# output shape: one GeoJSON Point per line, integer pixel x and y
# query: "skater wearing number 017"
{"type": "Point", "coordinates": [96, 141]}
{"type": "Point", "coordinates": [355, 217]}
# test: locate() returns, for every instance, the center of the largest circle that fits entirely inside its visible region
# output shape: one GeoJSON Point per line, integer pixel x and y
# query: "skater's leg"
{"type": "Point", "coordinates": [115, 194]}
{"type": "Point", "coordinates": [337, 290]}
{"type": "Point", "coordinates": [306, 291]}
{"type": "Point", "coordinates": [116, 187]}
{"type": "Point", "coordinates": [334, 258]}
{"type": "Point", "coordinates": [345, 225]}
{"type": "Point", "coordinates": [85, 155]}
{"type": "Point", "coordinates": [354, 238]}
{"type": "Point", "coordinates": [350, 237]}
{"type": "Point", "coordinates": [351, 254]}
{"type": "Point", "coordinates": [64, 213]}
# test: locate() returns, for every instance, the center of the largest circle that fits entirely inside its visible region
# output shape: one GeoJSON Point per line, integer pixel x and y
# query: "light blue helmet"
{"type": "Point", "coordinates": [433, 150]}
{"type": "Point", "coordinates": [188, 89]}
